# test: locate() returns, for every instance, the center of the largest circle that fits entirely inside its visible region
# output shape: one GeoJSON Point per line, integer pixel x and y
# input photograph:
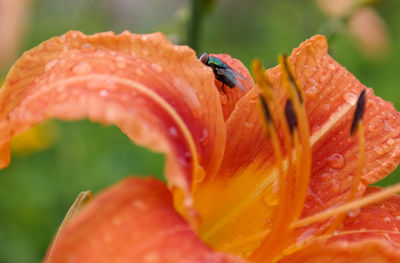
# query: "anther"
{"type": "Point", "coordinates": [292, 78]}
{"type": "Point", "coordinates": [358, 113]}
{"type": "Point", "coordinates": [266, 111]}
{"type": "Point", "coordinates": [290, 116]}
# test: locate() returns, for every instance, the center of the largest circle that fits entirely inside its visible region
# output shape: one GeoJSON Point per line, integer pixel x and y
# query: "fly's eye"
{"type": "Point", "coordinates": [204, 58]}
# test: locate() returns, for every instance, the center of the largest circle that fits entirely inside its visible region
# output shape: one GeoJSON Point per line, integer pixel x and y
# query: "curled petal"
{"type": "Point", "coordinates": [133, 221]}
{"type": "Point", "coordinates": [159, 94]}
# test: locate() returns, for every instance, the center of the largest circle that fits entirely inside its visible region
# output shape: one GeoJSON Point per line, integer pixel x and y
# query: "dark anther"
{"type": "Point", "coordinates": [290, 116]}
{"type": "Point", "coordinates": [267, 114]}
{"type": "Point", "coordinates": [358, 113]}
{"type": "Point", "coordinates": [291, 78]}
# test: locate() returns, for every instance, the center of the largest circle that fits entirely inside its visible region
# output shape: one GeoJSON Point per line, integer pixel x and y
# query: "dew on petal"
{"type": "Point", "coordinates": [271, 199]}
{"type": "Point", "coordinates": [173, 131]}
{"type": "Point", "coordinates": [378, 150]}
{"type": "Point", "coordinates": [326, 106]}
{"type": "Point", "coordinates": [224, 99]}
{"type": "Point", "coordinates": [103, 93]}
{"type": "Point", "coordinates": [336, 161]}
{"type": "Point", "coordinates": [311, 92]}
{"type": "Point", "coordinates": [87, 46]}
{"type": "Point", "coordinates": [387, 219]}
{"type": "Point", "coordinates": [139, 205]}
{"type": "Point", "coordinates": [51, 64]}
{"type": "Point", "coordinates": [371, 126]}
{"type": "Point", "coordinates": [121, 62]}
{"type": "Point", "coordinates": [354, 212]}
{"type": "Point", "coordinates": [331, 66]}
{"type": "Point", "coordinates": [200, 175]}
{"type": "Point", "coordinates": [390, 141]}
{"type": "Point", "coordinates": [157, 67]}
{"type": "Point", "coordinates": [146, 51]}
{"type": "Point", "coordinates": [350, 98]}
{"type": "Point", "coordinates": [82, 68]}
{"type": "Point", "coordinates": [139, 71]}
{"type": "Point", "coordinates": [204, 137]}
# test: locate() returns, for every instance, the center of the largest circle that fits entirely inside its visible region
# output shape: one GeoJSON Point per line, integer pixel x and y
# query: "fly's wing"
{"type": "Point", "coordinates": [230, 77]}
{"type": "Point", "coordinates": [238, 77]}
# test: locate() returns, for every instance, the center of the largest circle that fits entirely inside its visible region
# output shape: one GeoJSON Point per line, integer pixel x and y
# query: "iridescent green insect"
{"type": "Point", "coordinates": [223, 72]}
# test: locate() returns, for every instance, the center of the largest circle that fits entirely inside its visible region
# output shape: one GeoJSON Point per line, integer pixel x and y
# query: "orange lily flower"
{"type": "Point", "coordinates": [236, 193]}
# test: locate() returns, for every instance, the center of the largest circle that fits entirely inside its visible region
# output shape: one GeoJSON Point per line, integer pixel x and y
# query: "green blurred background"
{"type": "Point", "coordinates": [37, 189]}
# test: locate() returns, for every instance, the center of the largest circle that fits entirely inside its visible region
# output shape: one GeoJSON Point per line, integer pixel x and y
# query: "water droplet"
{"type": "Point", "coordinates": [121, 62]}
{"type": "Point", "coordinates": [322, 78]}
{"type": "Point", "coordinates": [271, 199]}
{"type": "Point", "coordinates": [139, 71]}
{"type": "Point", "coordinates": [204, 137]}
{"type": "Point", "coordinates": [390, 141]}
{"type": "Point", "coordinates": [326, 106]}
{"type": "Point", "coordinates": [315, 128]}
{"type": "Point", "coordinates": [311, 92]}
{"type": "Point", "coordinates": [331, 66]}
{"type": "Point", "coordinates": [173, 131]}
{"type": "Point", "coordinates": [224, 99]}
{"type": "Point", "coordinates": [350, 98]}
{"type": "Point", "coordinates": [378, 150]}
{"type": "Point", "coordinates": [139, 205]}
{"type": "Point", "coordinates": [200, 175]}
{"type": "Point", "coordinates": [103, 93]}
{"type": "Point", "coordinates": [387, 219]}
{"type": "Point", "coordinates": [336, 161]}
{"type": "Point", "coordinates": [371, 126]}
{"type": "Point", "coordinates": [51, 64]}
{"type": "Point", "coordinates": [61, 39]}
{"type": "Point", "coordinates": [353, 213]}
{"type": "Point", "coordinates": [157, 67]}
{"type": "Point", "coordinates": [146, 51]}
{"type": "Point", "coordinates": [82, 68]}
{"type": "Point", "coordinates": [87, 46]}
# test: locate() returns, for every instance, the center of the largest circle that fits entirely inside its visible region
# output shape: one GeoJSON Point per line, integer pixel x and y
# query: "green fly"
{"type": "Point", "coordinates": [223, 72]}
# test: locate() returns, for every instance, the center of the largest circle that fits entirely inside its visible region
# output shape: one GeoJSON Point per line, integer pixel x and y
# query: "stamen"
{"type": "Point", "coordinates": [358, 113]}
{"type": "Point", "coordinates": [280, 225]}
{"type": "Point", "coordinates": [356, 204]}
{"type": "Point", "coordinates": [267, 114]}
{"type": "Point", "coordinates": [357, 122]}
{"type": "Point", "coordinates": [304, 171]}
{"type": "Point", "coordinates": [290, 116]}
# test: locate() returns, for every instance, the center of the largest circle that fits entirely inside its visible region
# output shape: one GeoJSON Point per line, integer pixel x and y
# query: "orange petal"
{"type": "Point", "coordinates": [159, 94]}
{"type": "Point", "coordinates": [132, 221]}
{"type": "Point", "coordinates": [369, 235]}
{"type": "Point", "coordinates": [241, 199]}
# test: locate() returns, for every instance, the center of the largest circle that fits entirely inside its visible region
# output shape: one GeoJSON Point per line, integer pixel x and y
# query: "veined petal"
{"type": "Point", "coordinates": [370, 235]}
{"type": "Point", "coordinates": [240, 200]}
{"type": "Point", "coordinates": [132, 221]}
{"type": "Point", "coordinates": [159, 94]}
